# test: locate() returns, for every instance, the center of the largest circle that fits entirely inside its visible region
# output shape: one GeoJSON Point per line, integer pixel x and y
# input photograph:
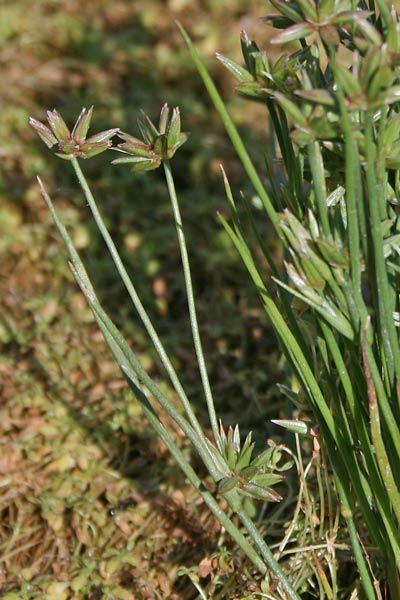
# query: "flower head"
{"type": "Point", "coordinates": [156, 145]}
{"type": "Point", "coordinates": [69, 145]}
{"type": "Point", "coordinates": [250, 476]}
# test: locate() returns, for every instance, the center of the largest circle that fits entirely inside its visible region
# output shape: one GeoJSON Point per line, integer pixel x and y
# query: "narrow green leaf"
{"type": "Point", "coordinates": [379, 446]}
{"type": "Point", "coordinates": [323, 307]}
{"type": "Point", "coordinates": [232, 132]}
{"type": "Point", "coordinates": [43, 132]}
{"type": "Point", "coordinates": [309, 9]}
{"type": "Point", "coordinates": [288, 9]}
{"type": "Point", "coordinates": [102, 136]}
{"type": "Point", "coordinates": [348, 82]}
{"type": "Point", "coordinates": [226, 484]}
{"type": "Point", "coordinates": [240, 73]}
{"type": "Point", "coordinates": [319, 96]}
{"type": "Point", "coordinates": [291, 110]}
{"type": "Point", "coordinates": [267, 479]}
{"type": "Point", "coordinates": [164, 114]}
{"type": "Point", "coordinates": [293, 425]}
{"type": "Point", "coordinates": [260, 493]}
{"type": "Point", "coordinates": [294, 33]}
{"type": "Point", "coordinates": [245, 456]}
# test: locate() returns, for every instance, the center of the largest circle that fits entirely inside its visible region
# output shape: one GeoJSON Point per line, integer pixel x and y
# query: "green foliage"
{"type": "Point", "coordinates": [333, 124]}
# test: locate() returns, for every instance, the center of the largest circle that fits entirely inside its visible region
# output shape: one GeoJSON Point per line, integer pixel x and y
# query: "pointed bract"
{"type": "Point", "coordinates": [103, 136]}
{"type": "Point", "coordinates": [82, 125]}
{"type": "Point", "coordinates": [43, 132]}
{"type": "Point", "coordinates": [162, 126]}
{"type": "Point", "coordinates": [88, 150]}
{"type": "Point", "coordinates": [148, 130]}
{"type": "Point", "coordinates": [58, 125]}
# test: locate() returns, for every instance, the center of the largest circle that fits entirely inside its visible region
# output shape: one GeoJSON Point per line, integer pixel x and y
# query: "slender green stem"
{"type": "Point", "coordinates": [127, 360]}
{"type": "Point", "coordinates": [281, 129]}
{"type": "Point", "coordinates": [278, 130]}
{"type": "Point", "coordinates": [353, 200]}
{"type": "Point", "coordinates": [294, 327]}
{"type": "Point", "coordinates": [342, 485]}
{"type": "Point", "coordinates": [357, 236]}
{"type": "Point", "coordinates": [319, 186]}
{"type": "Point", "coordinates": [384, 404]}
{"type": "Point", "coordinates": [381, 172]}
{"type": "Point", "coordinates": [136, 300]}
{"type": "Point", "coordinates": [387, 329]}
{"type": "Point", "coordinates": [358, 553]}
{"type": "Point", "coordinates": [296, 170]}
{"type": "Point", "coordinates": [332, 435]}
{"type": "Point", "coordinates": [289, 342]}
{"type": "Point", "coordinates": [233, 134]}
{"type": "Point", "coordinates": [190, 299]}
{"type": "Point", "coordinates": [181, 460]}
{"type": "Point", "coordinates": [384, 12]}
{"type": "Point", "coordinates": [267, 554]}
{"type": "Point", "coordinates": [376, 435]}
{"type": "Point", "coordinates": [199, 442]}
{"type": "Point", "coordinates": [232, 496]}
{"type": "Point", "coordinates": [360, 482]}
{"type": "Point", "coordinates": [368, 452]}
{"type": "Point", "coordinates": [350, 302]}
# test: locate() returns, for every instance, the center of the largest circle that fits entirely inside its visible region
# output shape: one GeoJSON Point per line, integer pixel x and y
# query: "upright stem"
{"type": "Point", "coordinates": [267, 555]}
{"type": "Point", "coordinates": [353, 204]}
{"type": "Point", "coordinates": [319, 186]}
{"type": "Point", "coordinates": [113, 339]}
{"type": "Point", "coordinates": [190, 299]}
{"type": "Point", "coordinates": [331, 432]}
{"type": "Point", "coordinates": [234, 135]}
{"type": "Point", "coordinates": [136, 376]}
{"type": "Point", "coordinates": [136, 300]}
{"type": "Point", "coordinates": [387, 329]}
{"type": "Point", "coordinates": [379, 446]}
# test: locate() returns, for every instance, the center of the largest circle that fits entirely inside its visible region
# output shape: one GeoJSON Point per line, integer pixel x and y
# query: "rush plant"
{"type": "Point", "coordinates": [332, 193]}
{"type": "Point", "coordinates": [333, 103]}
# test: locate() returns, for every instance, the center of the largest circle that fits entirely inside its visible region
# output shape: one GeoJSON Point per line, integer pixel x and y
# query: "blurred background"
{"type": "Point", "coordinates": [60, 388]}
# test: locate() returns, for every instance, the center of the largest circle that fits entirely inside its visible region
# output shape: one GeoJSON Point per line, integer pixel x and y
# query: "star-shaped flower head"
{"type": "Point", "coordinates": [158, 144]}
{"type": "Point", "coordinates": [69, 145]}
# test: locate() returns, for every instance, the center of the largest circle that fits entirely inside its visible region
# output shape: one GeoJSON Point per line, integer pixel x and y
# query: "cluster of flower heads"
{"type": "Point", "coordinates": [342, 49]}
{"type": "Point", "coordinates": [305, 84]}
{"type": "Point", "coordinates": [158, 143]}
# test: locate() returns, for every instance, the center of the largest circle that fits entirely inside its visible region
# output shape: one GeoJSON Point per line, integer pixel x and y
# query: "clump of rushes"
{"type": "Point", "coordinates": [237, 473]}
{"type": "Point", "coordinates": [333, 101]}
